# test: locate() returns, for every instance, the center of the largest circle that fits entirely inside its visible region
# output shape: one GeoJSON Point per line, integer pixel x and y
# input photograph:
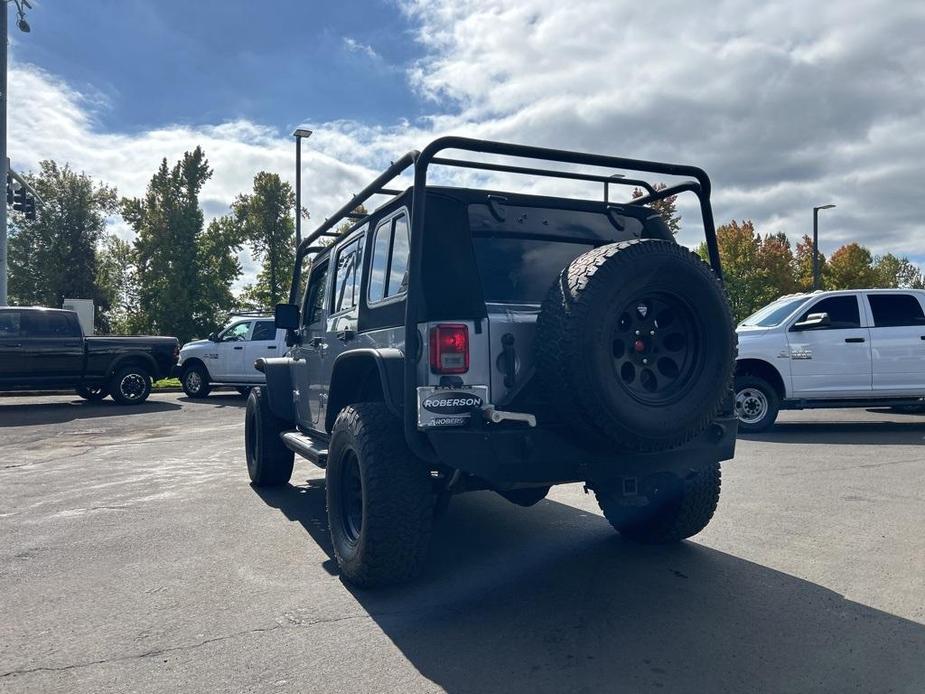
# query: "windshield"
{"type": "Point", "coordinates": [773, 314]}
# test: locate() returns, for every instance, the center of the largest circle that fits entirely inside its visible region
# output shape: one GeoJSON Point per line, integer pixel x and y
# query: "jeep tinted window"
{"type": "Point", "coordinates": [9, 323]}
{"type": "Point", "coordinates": [313, 310]}
{"type": "Point", "coordinates": [893, 310]}
{"type": "Point", "coordinates": [521, 270]}
{"type": "Point", "coordinates": [346, 276]}
{"type": "Point", "coordinates": [390, 259]}
{"type": "Point", "coordinates": [398, 270]}
{"type": "Point", "coordinates": [843, 311]}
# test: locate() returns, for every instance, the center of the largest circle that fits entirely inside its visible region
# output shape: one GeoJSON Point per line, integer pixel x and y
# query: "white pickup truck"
{"type": "Point", "coordinates": [858, 348]}
{"type": "Point", "coordinates": [227, 358]}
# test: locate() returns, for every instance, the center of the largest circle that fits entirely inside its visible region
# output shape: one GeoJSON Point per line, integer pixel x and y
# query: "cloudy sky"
{"type": "Point", "coordinates": [786, 104]}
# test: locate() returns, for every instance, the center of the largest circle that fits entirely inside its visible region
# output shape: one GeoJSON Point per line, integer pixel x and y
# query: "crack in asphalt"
{"type": "Point", "coordinates": [289, 623]}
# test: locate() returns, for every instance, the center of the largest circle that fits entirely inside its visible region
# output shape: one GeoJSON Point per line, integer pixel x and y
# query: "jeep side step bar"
{"type": "Point", "coordinates": [306, 447]}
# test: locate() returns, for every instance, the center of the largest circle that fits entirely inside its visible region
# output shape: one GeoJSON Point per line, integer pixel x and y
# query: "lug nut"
{"type": "Point", "coordinates": [645, 361]}
{"type": "Point", "coordinates": [637, 332]}
{"type": "Point", "coordinates": [652, 332]}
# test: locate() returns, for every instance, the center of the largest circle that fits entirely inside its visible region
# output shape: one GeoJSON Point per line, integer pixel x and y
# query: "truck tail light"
{"type": "Point", "coordinates": [449, 348]}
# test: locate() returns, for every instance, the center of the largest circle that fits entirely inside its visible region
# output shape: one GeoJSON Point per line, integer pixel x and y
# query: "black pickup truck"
{"type": "Point", "coordinates": [45, 349]}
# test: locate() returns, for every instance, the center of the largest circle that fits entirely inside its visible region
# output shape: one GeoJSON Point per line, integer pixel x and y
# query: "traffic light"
{"type": "Point", "coordinates": [9, 189]}
{"type": "Point", "coordinates": [28, 208]}
{"type": "Point", "coordinates": [19, 199]}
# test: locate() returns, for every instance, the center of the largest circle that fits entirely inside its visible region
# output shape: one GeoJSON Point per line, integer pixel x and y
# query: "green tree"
{"type": "Point", "coordinates": [894, 272]}
{"type": "Point", "coordinates": [55, 256]}
{"type": "Point", "coordinates": [851, 267]}
{"type": "Point", "coordinates": [739, 248]}
{"type": "Point", "coordinates": [180, 282]}
{"type": "Point", "coordinates": [264, 220]}
{"type": "Point", "coordinates": [117, 280]}
{"type": "Point", "coordinates": [218, 258]}
{"type": "Point", "coordinates": [667, 208]}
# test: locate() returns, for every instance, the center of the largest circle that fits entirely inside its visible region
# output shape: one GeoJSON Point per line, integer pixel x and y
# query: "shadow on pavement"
{"type": "Point", "coordinates": [550, 599]}
{"type": "Point", "coordinates": [901, 433]}
{"type": "Point", "coordinates": [221, 399]}
{"type": "Point", "coordinates": [30, 414]}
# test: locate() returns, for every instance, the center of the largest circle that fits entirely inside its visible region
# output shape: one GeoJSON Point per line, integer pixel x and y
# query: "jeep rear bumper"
{"type": "Point", "coordinates": [506, 456]}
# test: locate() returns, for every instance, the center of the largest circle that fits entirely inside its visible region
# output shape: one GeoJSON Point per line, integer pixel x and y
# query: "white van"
{"type": "Point", "coordinates": [227, 358]}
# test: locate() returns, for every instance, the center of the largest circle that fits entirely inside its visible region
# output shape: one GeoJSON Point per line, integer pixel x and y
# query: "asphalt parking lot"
{"type": "Point", "coordinates": [135, 557]}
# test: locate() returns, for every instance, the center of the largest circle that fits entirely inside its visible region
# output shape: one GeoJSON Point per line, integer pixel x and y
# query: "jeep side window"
{"type": "Point", "coordinates": [314, 297]}
{"type": "Point", "coordinates": [843, 312]}
{"type": "Point", "coordinates": [398, 273]}
{"type": "Point", "coordinates": [346, 277]}
{"type": "Point", "coordinates": [389, 267]}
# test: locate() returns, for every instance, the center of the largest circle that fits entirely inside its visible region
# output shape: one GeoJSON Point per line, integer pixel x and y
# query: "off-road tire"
{"type": "Point", "coordinates": [746, 386]}
{"type": "Point", "coordinates": [92, 393]}
{"type": "Point", "coordinates": [390, 543]}
{"type": "Point", "coordinates": [269, 462]}
{"type": "Point", "coordinates": [576, 346]}
{"type": "Point", "coordinates": [191, 386]}
{"type": "Point", "coordinates": [680, 511]}
{"type": "Point", "coordinates": [130, 385]}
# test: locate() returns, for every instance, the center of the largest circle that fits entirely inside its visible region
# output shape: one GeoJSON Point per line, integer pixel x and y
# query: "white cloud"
{"type": "Point", "coordinates": [786, 104]}
{"type": "Point", "coordinates": [355, 46]}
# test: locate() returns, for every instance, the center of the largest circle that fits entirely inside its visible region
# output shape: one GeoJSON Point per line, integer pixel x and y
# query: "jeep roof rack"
{"type": "Point", "coordinates": [700, 186]}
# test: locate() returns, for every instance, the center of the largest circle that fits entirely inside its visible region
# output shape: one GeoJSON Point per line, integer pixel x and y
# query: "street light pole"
{"type": "Point", "coordinates": [298, 134]}
{"type": "Point", "coordinates": [3, 167]}
{"type": "Point", "coordinates": [816, 243]}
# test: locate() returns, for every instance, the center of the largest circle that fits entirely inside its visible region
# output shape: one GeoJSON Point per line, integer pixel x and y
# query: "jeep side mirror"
{"type": "Point", "coordinates": [286, 317]}
{"type": "Point", "coordinates": [813, 320]}
{"type": "Point", "coordinates": [213, 337]}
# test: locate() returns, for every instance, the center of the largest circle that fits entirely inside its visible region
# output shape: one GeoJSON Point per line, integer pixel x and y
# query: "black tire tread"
{"type": "Point", "coordinates": [679, 519]}
{"type": "Point", "coordinates": [398, 513]}
{"type": "Point", "coordinates": [273, 464]}
{"type": "Point", "coordinates": [746, 380]}
{"type": "Point", "coordinates": [569, 302]}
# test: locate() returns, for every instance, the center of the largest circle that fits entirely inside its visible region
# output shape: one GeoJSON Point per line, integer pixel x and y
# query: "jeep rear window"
{"type": "Point", "coordinates": [521, 270]}
{"type": "Point", "coordinates": [520, 255]}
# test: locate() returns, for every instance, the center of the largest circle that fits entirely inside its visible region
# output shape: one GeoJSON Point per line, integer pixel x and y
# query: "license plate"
{"type": "Point", "coordinates": [449, 407]}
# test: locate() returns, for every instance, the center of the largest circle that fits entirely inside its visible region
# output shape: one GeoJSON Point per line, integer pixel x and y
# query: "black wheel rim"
{"type": "Point", "coordinates": [132, 386]}
{"type": "Point", "coordinates": [351, 494]}
{"type": "Point", "coordinates": [655, 348]}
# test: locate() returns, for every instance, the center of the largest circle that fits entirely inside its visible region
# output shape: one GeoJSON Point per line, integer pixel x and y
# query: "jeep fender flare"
{"type": "Point", "coordinates": [363, 375]}
{"type": "Point", "coordinates": [278, 389]}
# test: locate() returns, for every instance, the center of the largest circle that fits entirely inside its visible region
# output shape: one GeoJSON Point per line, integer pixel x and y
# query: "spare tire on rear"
{"type": "Point", "coordinates": [636, 345]}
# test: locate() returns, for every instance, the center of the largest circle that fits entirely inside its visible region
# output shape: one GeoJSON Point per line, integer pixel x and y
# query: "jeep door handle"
{"type": "Point", "coordinates": [854, 339]}
{"type": "Point", "coordinates": [346, 335]}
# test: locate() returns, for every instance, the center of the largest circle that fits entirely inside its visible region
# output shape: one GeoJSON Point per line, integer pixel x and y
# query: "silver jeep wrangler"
{"type": "Point", "coordinates": [457, 339]}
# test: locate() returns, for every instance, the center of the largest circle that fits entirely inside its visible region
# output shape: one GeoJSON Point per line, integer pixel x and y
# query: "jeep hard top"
{"type": "Point", "coordinates": [457, 339]}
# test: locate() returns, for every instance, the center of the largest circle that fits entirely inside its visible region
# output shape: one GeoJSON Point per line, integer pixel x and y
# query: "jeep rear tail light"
{"type": "Point", "coordinates": [449, 348]}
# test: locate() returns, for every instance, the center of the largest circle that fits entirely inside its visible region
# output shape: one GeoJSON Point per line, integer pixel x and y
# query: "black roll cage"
{"type": "Point", "coordinates": [700, 186]}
